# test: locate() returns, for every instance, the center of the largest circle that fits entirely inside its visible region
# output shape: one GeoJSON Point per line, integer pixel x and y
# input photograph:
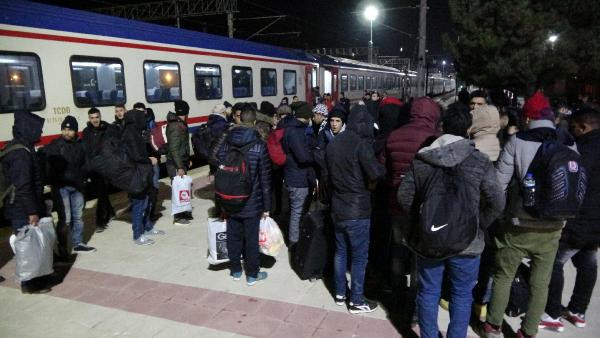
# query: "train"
{"type": "Point", "coordinates": [56, 62]}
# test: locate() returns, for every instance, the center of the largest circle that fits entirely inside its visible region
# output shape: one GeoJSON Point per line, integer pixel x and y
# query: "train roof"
{"type": "Point", "coordinates": [349, 63]}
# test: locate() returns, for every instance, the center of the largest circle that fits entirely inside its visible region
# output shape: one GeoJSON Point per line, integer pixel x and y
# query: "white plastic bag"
{"type": "Point", "coordinates": [181, 194]}
{"type": "Point", "coordinates": [34, 247]}
{"type": "Point", "coordinates": [217, 241]}
{"type": "Point", "coordinates": [270, 238]}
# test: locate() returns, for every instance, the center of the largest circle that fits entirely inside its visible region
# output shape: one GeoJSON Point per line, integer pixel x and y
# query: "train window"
{"type": "Point", "coordinates": [97, 81]}
{"type": "Point", "coordinates": [368, 84]}
{"type": "Point", "coordinates": [208, 82]}
{"type": "Point", "coordinates": [268, 82]}
{"type": "Point", "coordinates": [21, 83]}
{"type": "Point", "coordinates": [344, 80]}
{"type": "Point", "coordinates": [242, 81]}
{"type": "Point", "coordinates": [289, 82]}
{"type": "Point", "coordinates": [361, 82]}
{"type": "Point", "coordinates": [352, 82]}
{"type": "Point", "coordinates": [380, 82]}
{"type": "Point", "coordinates": [162, 81]}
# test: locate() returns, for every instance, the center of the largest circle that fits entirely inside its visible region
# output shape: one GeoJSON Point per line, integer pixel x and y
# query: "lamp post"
{"type": "Point", "coordinates": [443, 67]}
{"type": "Point", "coordinates": [371, 13]}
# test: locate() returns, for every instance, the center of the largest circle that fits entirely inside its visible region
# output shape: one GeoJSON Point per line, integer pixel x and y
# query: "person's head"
{"type": "Point", "coordinates": [321, 113]}
{"type": "Point", "coordinates": [228, 108]}
{"type": "Point", "coordinates": [94, 117]}
{"type": "Point", "coordinates": [182, 109]}
{"type": "Point", "coordinates": [139, 106]}
{"type": "Point", "coordinates": [367, 96]}
{"type": "Point", "coordinates": [478, 99]}
{"type": "Point", "coordinates": [585, 120]}
{"type": "Point", "coordinates": [219, 110]}
{"type": "Point", "coordinates": [337, 119]}
{"type": "Point", "coordinates": [537, 107]}
{"type": "Point", "coordinates": [302, 111]}
{"type": "Point", "coordinates": [342, 95]}
{"type": "Point", "coordinates": [295, 99]}
{"type": "Point", "coordinates": [248, 117]}
{"type": "Point", "coordinates": [375, 96]}
{"type": "Point", "coordinates": [284, 101]}
{"type": "Point", "coordinates": [120, 111]}
{"type": "Point", "coordinates": [69, 128]}
{"type": "Point", "coordinates": [464, 97]}
{"type": "Point", "coordinates": [457, 121]}
{"type": "Point", "coordinates": [237, 114]}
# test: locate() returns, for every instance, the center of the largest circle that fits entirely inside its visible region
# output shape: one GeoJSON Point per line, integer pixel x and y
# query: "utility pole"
{"type": "Point", "coordinates": [371, 44]}
{"type": "Point", "coordinates": [422, 58]}
{"type": "Point", "coordinates": [230, 24]}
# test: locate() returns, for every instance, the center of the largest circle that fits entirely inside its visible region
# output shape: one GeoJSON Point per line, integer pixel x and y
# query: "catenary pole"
{"type": "Point", "coordinates": [422, 43]}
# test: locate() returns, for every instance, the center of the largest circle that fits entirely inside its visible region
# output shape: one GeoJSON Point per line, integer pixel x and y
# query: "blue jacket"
{"type": "Point", "coordinates": [298, 170]}
{"type": "Point", "coordinates": [260, 169]}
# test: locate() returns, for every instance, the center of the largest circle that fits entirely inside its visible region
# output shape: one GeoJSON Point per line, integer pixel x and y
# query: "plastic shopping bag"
{"type": "Point", "coordinates": [34, 247]}
{"type": "Point", "coordinates": [270, 238]}
{"type": "Point", "coordinates": [217, 241]}
{"type": "Point", "coordinates": [181, 194]}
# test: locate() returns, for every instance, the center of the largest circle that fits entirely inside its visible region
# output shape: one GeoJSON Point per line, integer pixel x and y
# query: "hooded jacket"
{"type": "Point", "coordinates": [178, 141]}
{"type": "Point", "coordinates": [132, 139]}
{"type": "Point", "coordinates": [297, 171]}
{"type": "Point", "coordinates": [484, 130]}
{"type": "Point", "coordinates": [351, 165]}
{"type": "Point", "coordinates": [484, 191]}
{"type": "Point", "coordinates": [389, 115]}
{"type": "Point", "coordinates": [92, 137]}
{"type": "Point", "coordinates": [64, 163]}
{"type": "Point", "coordinates": [21, 168]}
{"type": "Point", "coordinates": [217, 124]}
{"type": "Point", "coordinates": [259, 166]}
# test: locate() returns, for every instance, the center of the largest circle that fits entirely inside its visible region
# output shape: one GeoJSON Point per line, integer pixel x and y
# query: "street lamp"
{"type": "Point", "coordinates": [552, 38]}
{"type": "Point", "coordinates": [443, 67]}
{"type": "Point", "coordinates": [371, 13]}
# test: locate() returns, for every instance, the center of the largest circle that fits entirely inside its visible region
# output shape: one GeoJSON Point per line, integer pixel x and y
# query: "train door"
{"type": "Point", "coordinates": [334, 88]}
{"type": "Point", "coordinates": [308, 84]}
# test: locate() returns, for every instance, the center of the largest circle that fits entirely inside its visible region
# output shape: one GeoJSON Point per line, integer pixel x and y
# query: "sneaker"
{"type": "Point", "coordinates": [154, 232]}
{"type": "Point", "coordinates": [82, 248]}
{"type": "Point", "coordinates": [521, 334]}
{"type": "Point", "coordinates": [550, 323]}
{"type": "Point", "coordinates": [365, 307]}
{"type": "Point", "coordinates": [491, 331]}
{"type": "Point", "coordinates": [252, 280]}
{"type": "Point", "coordinates": [236, 276]}
{"type": "Point", "coordinates": [35, 287]}
{"type": "Point", "coordinates": [143, 240]}
{"type": "Point", "coordinates": [182, 222]}
{"type": "Point", "coordinates": [577, 319]}
{"type": "Point", "coordinates": [340, 300]}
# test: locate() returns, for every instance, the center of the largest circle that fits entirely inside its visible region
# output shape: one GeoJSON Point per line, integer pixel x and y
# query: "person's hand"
{"type": "Point", "coordinates": [153, 160]}
{"type": "Point", "coordinates": [265, 215]}
{"type": "Point", "coordinates": [180, 172]}
{"type": "Point", "coordinates": [34, 219]}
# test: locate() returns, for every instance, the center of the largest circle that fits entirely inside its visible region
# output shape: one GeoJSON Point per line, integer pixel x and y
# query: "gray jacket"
{"type": "Point", "coordinates": [485, 193]}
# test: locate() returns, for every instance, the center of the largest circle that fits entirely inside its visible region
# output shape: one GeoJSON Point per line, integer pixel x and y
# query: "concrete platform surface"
{"type": "Point", "coordinates": [168, 290]}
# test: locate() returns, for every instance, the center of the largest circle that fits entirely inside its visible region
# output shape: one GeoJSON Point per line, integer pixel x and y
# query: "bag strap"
{"type": "Point", "coordinates": [12, 147]}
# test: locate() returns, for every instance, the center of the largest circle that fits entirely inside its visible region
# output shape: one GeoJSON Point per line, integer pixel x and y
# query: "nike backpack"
{"type": "Point", "coordinates": [275, 147]}
{"type": "Point", "coordinates": [443, 221]}
{"type": "Point", "coordinates": [233, 184]}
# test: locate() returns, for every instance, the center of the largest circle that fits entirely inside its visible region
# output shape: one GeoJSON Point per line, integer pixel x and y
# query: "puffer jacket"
{"type": "Point", "coordinates": [259, 167]}
{"type": "Point", "coordinates": [178, 141]}
{"type": "Point", "coordinates": [351, 166]}
{"type": "Point", "coordinates": [298, 170]}
{"type": "Point", "coordinates": [484, 130]}
{"type": "Point", "coordinates": [64, 163]}
{"type": "Point", "coordinates": [404, 142]}
{"type": "Point", "coordinates": [484, 190]}
{"type": "Point", "coordinates": [92, 137]}
{"type": "Point", "coordinates": [21, 168]}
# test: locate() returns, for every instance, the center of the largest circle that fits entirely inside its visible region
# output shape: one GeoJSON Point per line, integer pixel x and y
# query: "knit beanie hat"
{"type": "Point", "coordinates": [70, 122]}
{"type": "Point", "coordinates": [182, 108]}
{"type": "Point", "coordinates": [321, 109]}
{"type": "Point", "coordinates": [284, 110]}
{"type": "Point", "coordinates": [302, 109]}
{"type": "Point", "coordinates": [219, 110]}
{"type": "Point", "coordinates": [537, 107]}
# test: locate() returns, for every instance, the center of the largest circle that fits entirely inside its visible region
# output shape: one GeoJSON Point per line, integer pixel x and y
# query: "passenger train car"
{"type": "Point", "coordinates": [56, 62]}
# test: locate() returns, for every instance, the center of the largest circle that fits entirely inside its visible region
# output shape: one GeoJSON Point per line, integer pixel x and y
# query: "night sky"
{"type": "Point", "coordinates": [321, 23]}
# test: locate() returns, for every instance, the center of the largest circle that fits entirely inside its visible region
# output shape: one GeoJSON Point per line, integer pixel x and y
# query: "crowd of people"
{"type": "Point", "coordinates": [440, 196]}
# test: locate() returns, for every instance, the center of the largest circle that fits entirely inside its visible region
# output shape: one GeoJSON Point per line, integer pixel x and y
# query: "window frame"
{"type": "Point", "coordinates": [163, 62]}
{"type": "Point", "coordinates": [101, 59]}
{"type": "Point", "coordinates": [342, 76]}
{"type": "Point", "coordinates": [196, 82]}
{"type": "Point", "coordinates": [353, 76]}
{"type": "Point", "coordinates": [251, 80]}
{"type": "Point", "coordinates": [295, 81]}
{"type": "Point", "coordinates": [42, 89]}
{"type": "Point", "coordinates": [261, 81]}
{"type": "Point", "coordinates": [359, 87]}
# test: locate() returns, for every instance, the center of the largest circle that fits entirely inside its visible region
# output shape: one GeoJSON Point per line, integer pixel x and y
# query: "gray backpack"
{"type": "Point", "coordinates": [7, 189]}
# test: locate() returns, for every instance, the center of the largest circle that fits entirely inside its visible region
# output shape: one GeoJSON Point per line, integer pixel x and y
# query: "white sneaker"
{"type": "Point", "coordinates": [143, 240]}
{"type": "Point", "coordinates": [550, 323]}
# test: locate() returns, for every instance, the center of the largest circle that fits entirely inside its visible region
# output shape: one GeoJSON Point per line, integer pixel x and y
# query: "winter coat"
{"type": "Point", "coordinates": [323, 139]}
{"type": "Point", "coordinates": [178, 141]}
{"type": "Point", "coordinates": [259, 166]}
{"type": "Point", "coordinates": [389, 115]}
{"type": "Point", "coordinates": [21, 168]}
{"type": "Point", "coordinates": [64, 162]}
{"type": "Point", "coordinates": [351, 166]}
{"type": "Point", "coordinates": [297, 171]}
{"type": "Point", "coordinates": [484, 190]}
{"type": "Point", "coordinates": [484, 130]}
{"type": "Point", "coordinates": [217, 125]}
{"type": "Point", "coordinates": [119, 124]}
{"type": "Point", "coordinates": [133, 139]}
{"type": "Point", "coordinates": [373, 109]}
{"type": "Point", "coordinates": [92, 137]}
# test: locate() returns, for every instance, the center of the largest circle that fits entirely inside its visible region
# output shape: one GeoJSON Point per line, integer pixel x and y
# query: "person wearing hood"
{"type": "Point", "coordinates": [151, 124]}
{"type": "Point", "coordinates": [452, 150]}
{"type": "Point", "coordinates": [389, 115]}
{"type": "Point", "coordinates": [64, 160]}
{"type": "Point", "coordinates": [93, 135]}
{"type": "Point", "coordinates": [373, 106]}
{"type": "Point", "coordinates": [243, 227]}
{"type": "Point", "coordinates": [351, 167]}
{"type": "Point", "coordinates": [484, 130]}
{"type": "Point", "coordinates": [319, 118]}
{"type": "Point", "coordinates": [178, 150]}
{"type": "Point", "coordinates": [120, 117]}
{"type": "Point", "coordinates": [20, 166]}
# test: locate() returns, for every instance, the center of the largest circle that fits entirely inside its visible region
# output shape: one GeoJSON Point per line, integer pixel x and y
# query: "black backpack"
{"type": "Point", "coordinates": [443, 223]}
{"type": "Point", "coordinates": [7, 189]}
{"type": "Point", "coordinates": [233, 184]}
{"type": "Point", "coordinates": [202, 141]}
{"type": "Point", "coordinates": [519, 292]}
{"type": "Point", "coordinates": [560, 182]}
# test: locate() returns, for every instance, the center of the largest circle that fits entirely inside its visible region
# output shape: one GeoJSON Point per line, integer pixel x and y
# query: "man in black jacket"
{"type": "Point", "coordinates": [580, 238]}
{"type": "Point", "coordinates": [93, 135]}
{"type": "Point", "coordinates": [64, 159]}
{"type": "Point", "coordinates": [120, 117]}
{"type": "Point", "coordinates": [351, 166]}
{"type": "Point", "coordinates": [243, 227]}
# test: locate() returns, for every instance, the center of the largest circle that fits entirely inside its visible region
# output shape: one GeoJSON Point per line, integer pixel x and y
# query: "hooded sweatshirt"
{"type": "Point", "coordinates": [484, 130]}
{"type": "Point", "coordinates": [484, 190]}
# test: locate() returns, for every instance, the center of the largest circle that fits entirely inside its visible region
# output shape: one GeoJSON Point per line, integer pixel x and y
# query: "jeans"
{"type": "Point", "coordinates": [585, 262]}
{"type": "Point", "coordinates": [297, 205]}
{"type": "Point", "coordinates": [71, 213]}
{"type": "Point", "coordinates": [104, 210]}
{"type": "Point", "coordinates": [356, 234]}
{"type": "Point", "coordinates": [243, 232]}
{"type": "Point", "coordinates": [462, 274]}
{"type": "Point", "coordinates": [140, 216]}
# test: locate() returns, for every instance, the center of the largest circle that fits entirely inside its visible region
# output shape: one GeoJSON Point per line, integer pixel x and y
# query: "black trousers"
{"type": "Point", "coordinates": [104, 210]}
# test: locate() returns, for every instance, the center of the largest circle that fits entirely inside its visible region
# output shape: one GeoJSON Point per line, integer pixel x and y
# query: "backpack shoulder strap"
{"type": "Point", "coordinates": [12, 147]}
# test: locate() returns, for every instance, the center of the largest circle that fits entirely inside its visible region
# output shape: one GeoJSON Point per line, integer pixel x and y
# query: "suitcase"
{"type": "Point", "coordinates": [309, 255]}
